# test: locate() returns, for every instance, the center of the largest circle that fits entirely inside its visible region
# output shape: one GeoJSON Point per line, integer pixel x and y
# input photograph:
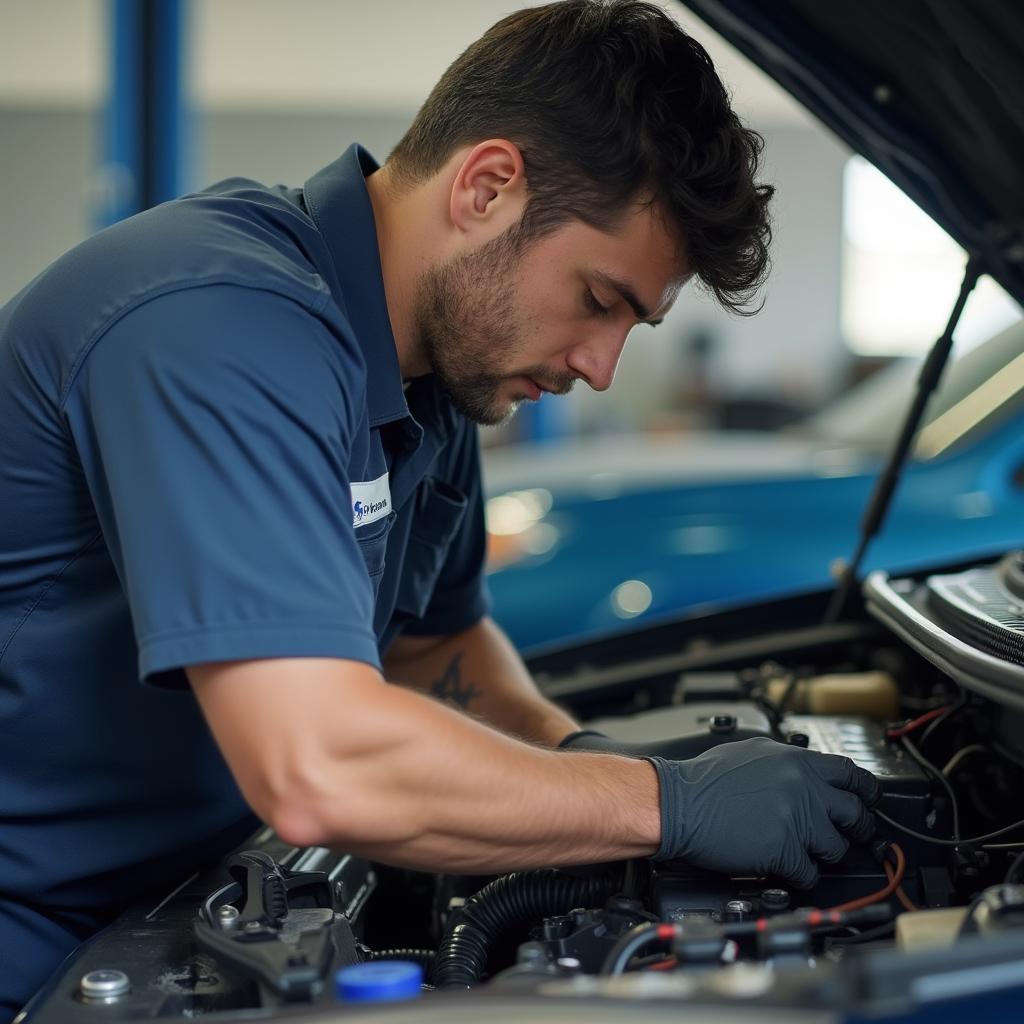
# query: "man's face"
{"type": "Point", "coordinates": [510, 320]}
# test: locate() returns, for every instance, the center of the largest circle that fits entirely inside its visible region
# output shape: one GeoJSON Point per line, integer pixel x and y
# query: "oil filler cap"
{"type": "Point", "coordinates": [104, 985]}
{"type": "Point", "coordinates": [378, 981]}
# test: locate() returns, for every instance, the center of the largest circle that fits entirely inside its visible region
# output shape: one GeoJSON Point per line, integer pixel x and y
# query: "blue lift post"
{"type": "Point", "coordinates": [147, 137]}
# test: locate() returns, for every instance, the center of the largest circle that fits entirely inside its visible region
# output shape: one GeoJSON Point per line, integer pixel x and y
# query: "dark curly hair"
{"type": "Point", "coordinates": [610, 102]}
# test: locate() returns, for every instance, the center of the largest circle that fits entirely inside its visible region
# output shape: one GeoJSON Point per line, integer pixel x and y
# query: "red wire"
{"type": "Point", "coordinates": [664, 965]}
{"type": "Point", "coordinates": [882, 894]}
{"type": "Point", "coordinates": [916, 723]}
{"type": "Point", "coordinates": [894, 887]}
{"type": "Point", "coordinates": [904, 899]}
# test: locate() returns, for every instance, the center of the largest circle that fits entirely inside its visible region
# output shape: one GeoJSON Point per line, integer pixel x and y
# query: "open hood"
{"type": "Point", "coordinates": [931, 92]}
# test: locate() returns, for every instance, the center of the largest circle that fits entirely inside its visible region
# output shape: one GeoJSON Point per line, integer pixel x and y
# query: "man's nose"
{"type": "Point", "coordinates": [595, 359]}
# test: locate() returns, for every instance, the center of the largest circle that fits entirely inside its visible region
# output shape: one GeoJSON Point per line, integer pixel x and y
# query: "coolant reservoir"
{"type": "Point", "coordinates": [929, 929]}
{"type": "Point", "coordinates": [870, 694]}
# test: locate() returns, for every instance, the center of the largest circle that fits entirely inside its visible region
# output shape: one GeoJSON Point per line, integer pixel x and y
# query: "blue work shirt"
{"type": "Point", "coordinates": [207, 454]}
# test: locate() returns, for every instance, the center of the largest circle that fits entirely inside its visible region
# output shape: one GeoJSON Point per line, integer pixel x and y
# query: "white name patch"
{"type": "Point", "coordinates": [371, 500]}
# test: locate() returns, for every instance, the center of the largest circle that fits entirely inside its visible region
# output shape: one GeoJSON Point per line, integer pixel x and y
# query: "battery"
{"type": "Point", "coordinates": [906, 788]}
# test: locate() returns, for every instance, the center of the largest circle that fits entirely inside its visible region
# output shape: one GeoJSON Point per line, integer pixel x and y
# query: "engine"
{"type": "Point", "coordinates": [923, 687]}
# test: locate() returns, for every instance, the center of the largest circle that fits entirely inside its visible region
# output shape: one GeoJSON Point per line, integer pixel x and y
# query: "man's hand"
{"type": "Point", "coordinates": [762, 807]}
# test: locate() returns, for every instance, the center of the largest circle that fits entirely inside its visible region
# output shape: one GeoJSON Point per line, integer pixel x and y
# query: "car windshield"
{"type": "Point", "coordinates": [984, 384]}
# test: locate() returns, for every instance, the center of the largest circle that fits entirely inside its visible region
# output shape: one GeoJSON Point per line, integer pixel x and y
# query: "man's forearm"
{"type": "Point", "coordinates": [480, 672]}
{"type": "Point", "coordinates": [370, 768]}
{"type": "Point", "coordinates": [479, 801]}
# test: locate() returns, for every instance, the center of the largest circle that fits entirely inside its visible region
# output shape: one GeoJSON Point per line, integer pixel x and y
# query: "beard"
{"type": "Point", "coordinates": [472, 331]}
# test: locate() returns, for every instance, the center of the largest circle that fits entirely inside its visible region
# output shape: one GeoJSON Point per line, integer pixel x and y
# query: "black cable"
{"type": "Point", "coordinates": [969, 925]}
{"type": "Point", "coordinates": [959, 705]}
{"type": "Point", "coordinates": [923, 704]}
{"type": "Point", "coordinates": [1004, 752]}
{"type": "Point", "coordinates": [771, 712]}
{"type": "Point", "coordinates": [865, 936]}
{"type": "Point", "coordinates": [628, 946]}
{"type": "Point", "coordinates": [794, 681]}
{"type": "Point", "coordinates": [1018, 863]}
{"type": "Point", "coordinates": [948, 842]}
{"type": "Point", "coordinates": [916, 754]}
{"type": "Point", "coordinates": [815, 920]}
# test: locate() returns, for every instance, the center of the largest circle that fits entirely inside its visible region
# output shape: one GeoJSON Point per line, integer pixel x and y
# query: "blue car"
{"type": "Point", "coordinates": [588, 535]}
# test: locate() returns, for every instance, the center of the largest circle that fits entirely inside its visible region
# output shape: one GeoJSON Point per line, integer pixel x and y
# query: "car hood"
{"type": "Point", "coordinates": [604, 467]}
{"type": "Point", "coordinates": [931, 92]}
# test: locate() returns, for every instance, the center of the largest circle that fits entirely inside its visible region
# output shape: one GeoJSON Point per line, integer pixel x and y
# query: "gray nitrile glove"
{"type": "Point", "coordinates": [677, 748]}
{"type": "Point", "coordinates": [762, 807]}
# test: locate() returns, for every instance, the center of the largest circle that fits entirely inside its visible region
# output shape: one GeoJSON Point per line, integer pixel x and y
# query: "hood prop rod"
{"type": "Point", "coordinates": [885, 486]}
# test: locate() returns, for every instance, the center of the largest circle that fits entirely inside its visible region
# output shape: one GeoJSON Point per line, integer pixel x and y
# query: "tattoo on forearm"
{"type": "Point", "coordinates": [451, 688]}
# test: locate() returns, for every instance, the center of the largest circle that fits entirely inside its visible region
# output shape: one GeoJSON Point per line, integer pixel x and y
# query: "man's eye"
{"type": "Point", "coordinates": [593, 305]}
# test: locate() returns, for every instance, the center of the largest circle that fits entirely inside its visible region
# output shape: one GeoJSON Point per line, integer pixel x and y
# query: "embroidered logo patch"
{"type": "Point", "coordinates": [371, 500]}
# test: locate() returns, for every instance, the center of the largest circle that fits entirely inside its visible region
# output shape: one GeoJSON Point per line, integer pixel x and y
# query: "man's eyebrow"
{"type": "Point", "coordinates": [625, 289]}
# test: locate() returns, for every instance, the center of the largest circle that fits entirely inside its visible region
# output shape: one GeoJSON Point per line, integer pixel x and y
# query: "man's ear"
{"type": "Point", "coordinates": [489, 191]}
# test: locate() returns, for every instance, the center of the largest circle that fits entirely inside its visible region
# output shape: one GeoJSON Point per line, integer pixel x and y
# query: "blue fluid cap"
{"type": "Point", "coordinates": [378, 981]}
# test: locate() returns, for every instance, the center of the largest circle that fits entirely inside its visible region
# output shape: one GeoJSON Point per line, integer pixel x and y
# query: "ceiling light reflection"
{"type": "Point", "coordinates": [631, 598]}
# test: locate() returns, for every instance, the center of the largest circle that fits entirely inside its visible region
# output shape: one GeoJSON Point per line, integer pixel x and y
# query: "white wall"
{"type": "Point", "coordinates": [305, 54]}
{"type": "Point", "coordinates": [53, 53]}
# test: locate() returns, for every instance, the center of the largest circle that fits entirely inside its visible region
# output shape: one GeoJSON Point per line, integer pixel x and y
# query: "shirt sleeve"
{"type": "Point", "coordinates": [460, 596]}
{"type": "Point", "coordinates": [214, 427]}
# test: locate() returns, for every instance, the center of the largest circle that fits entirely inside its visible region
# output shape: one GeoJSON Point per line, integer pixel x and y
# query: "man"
{"type": "Point", "coordinates": [241, 466]}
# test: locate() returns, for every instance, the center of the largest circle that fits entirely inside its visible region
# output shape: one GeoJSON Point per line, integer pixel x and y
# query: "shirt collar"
{"type": "Point", "coordinates": [337, 200]}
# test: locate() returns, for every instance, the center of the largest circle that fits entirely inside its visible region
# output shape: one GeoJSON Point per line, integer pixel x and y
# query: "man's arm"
{"type": "Point", "coordinates": [330, 755]}
{"type": "Point", "coordinates": [479, 671]}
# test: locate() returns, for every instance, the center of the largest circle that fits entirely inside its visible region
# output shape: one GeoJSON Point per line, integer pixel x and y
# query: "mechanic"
{"type": "Point", "coordinates": [240, 464]}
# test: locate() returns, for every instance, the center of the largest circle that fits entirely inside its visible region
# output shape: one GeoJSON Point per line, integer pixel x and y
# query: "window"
{"type": "Point", "coordinates": [902, 272]}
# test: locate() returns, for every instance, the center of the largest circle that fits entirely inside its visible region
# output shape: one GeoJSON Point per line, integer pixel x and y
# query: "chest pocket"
{"type": "Point", "coordinates": [439, 512]}
{"type": "Point", "coordinates": [373, 543]}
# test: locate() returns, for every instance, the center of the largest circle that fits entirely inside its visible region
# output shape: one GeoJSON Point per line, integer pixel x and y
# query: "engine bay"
{"type": "Point", "coordinates": [941, 880]}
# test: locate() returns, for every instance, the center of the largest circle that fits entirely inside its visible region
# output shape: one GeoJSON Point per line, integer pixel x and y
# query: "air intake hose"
{"type": "Point", "coordinates": [424, 957]}
{"type": "Point", "coordinates": [511, 902]}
